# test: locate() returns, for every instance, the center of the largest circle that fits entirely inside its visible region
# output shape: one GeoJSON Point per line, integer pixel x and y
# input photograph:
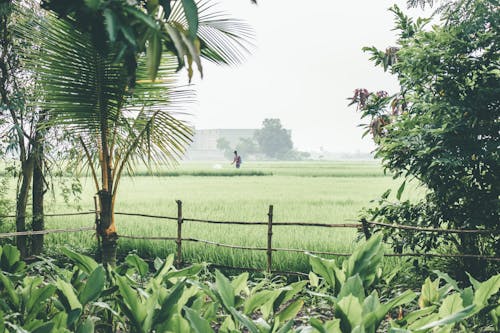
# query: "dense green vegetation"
{"type": "Point", "coordinates": [85, 297]}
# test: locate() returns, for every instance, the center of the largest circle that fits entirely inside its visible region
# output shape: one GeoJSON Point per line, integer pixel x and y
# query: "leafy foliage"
{"type": "Point", "coordinates": [442, 127]}
{"type": "Point", "coordinates": [274, 140]}
{"type": "Point", "coordinates": [90, 298]}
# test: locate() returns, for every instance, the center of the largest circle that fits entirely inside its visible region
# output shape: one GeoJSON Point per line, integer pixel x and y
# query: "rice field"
{"type": "Point", "coordinates": [314, 192]}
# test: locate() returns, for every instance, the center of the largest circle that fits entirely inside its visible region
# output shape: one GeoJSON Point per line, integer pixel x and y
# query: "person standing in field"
{"type": "Point", "coordinates": [236, 160]}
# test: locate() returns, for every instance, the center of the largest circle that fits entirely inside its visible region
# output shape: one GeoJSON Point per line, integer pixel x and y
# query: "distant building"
{"type": "Point", "coordinates": [204, 146]}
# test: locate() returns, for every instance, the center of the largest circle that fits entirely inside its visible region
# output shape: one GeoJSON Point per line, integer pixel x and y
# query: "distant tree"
{"type": "Point", "coordinates": [224, 146]}
{"type": "Point", "coordinates": [247, 146]}
{"type": "Point", "coordinates": [274, 140]}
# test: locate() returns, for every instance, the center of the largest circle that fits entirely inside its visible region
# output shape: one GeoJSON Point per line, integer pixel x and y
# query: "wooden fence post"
{"type": "Point", "coordinates": [269, 238]}
{"type": "Point", "coordinates": [366, 228]}
{"type": "Point", "coordinates": [179, 233]}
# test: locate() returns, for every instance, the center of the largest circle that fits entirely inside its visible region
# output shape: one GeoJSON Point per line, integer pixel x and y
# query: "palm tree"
{"type": "Point", "coordinates": [87, 89]}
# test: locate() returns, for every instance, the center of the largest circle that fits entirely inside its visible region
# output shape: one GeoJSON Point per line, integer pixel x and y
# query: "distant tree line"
{"type": "Point", "coordinates": [272, 141]}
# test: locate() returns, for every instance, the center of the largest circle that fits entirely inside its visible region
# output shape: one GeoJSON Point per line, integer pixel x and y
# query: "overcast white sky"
{"type": "Point", "coordinates": [307, 61]}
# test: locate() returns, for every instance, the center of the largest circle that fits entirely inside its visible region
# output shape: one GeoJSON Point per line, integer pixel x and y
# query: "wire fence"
{"type": "Point", "coordinates": [362, 225]}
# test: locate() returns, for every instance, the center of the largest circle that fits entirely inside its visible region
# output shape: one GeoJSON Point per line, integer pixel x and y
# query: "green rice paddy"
{"type": "Point", "coordinates": [311, 192]}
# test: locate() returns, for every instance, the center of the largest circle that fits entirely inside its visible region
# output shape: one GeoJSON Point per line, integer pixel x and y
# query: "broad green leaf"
{"type": "Point", "coordinates": [313, 280]}
{"type": "Point", "coordinates": [244, 320]}
{"type": "Point", "coordinates": [350, 312]}
{"type": "Point", "coordinates": [11, 290]}
{"type": "Point", "coordinates": [36, 301]}
{"type": "Point", "coordinates": [224, 289]}
{"type": "Point", "coordinates": [168, 306]}
{"type": "Point", "coordinates": [86, 264]}
{"type": "Point", "coordinates": [131, 301]}
{"type": "Point", "coordinates": [411, 317]}
{"type": "Point", "coordinates": [198, 323]}
{"type": "Point", "coordinates": [429, 294]}
{"type": "Point", "coordinates": [290, 311]}
{"type": "Point", "coordinates": [111, 24]}
{"type": "Point", "coordinates": [467, 296]}
{"type": "Point", "coordinates": [239, 284]}
{"type": "Point", "coordinates": [256, 300]}
{"type": "Point", "coordinates": [175, 324]}
{"type": "Point", "coordinates": [159, 275]}
{"type": "Point", "coordinates": [324, 268]}
{"type": "Point", "coordinates": [450, 305]}
{"type": "Point", "coordinates": [44, 328]}
{"type": "Point", "coordinates": [93, 287]}
{"type": "Point", "coordinates": [291, 290]}
{"type": "Point", "coordinates": [191, 12]}
{"type": "Point", "coordinates": [365, 260]}
{"type": "Point", "coordinates": [133, 260]}
{"type": "Point", "coordinates": [452, 319]}
{"type": "Point", "coordinates": [286, 328]}
{"type": "Point", "coordinates": [485, 290]}
{"type": "Point", "coordinates": [9, 257]}
{"type": "Point", "coordinates": [141, 16]}
{"type": "Point", "coordinates": [86, 327]}
{"type": "Point", "coordinates": [70, 300]}
{"type": "Point", "coordinates": [185, 272]}
{"type": "Point", "coordinates": [352, 286]}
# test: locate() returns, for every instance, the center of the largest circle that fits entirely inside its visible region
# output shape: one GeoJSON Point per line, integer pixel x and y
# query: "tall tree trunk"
{"type": "Point", "coordinates": [21, 203]}
{"type": "Point", "coordinates": [38, 192]}
{"type": "Point", "coordinates": [38, 185]}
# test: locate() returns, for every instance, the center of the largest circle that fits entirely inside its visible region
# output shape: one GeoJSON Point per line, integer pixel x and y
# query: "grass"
{"type": "Point", "coordinates": [320, 192]}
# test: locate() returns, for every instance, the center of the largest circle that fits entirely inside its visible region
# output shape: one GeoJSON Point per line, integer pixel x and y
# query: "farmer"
{"type": "Point", "coordinates": [237, 160]}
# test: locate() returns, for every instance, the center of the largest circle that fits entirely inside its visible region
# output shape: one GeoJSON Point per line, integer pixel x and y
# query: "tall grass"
{"type": "Point", "coordinates": [322, 192]}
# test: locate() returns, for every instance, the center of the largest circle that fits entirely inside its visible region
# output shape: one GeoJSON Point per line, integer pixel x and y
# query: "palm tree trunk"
{"type": "Point", "coordinates": [106, 231]}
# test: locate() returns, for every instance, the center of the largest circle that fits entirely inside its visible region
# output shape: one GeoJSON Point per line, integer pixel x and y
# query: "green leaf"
{"type": "Point", "coordinates": [485, 290]}
{"type": "Point", "coordinates": [452, 319]}
{"type": "Point", "coordinates": [111, 23]}
{"type": "Point", "coordinates": [93, 287]}
{"type": "Point", "coordinates": [198, 323]}
{"type": "Point", "coordinates": [290, 311]}
{"type": "Point", "coordinates": [86, 264]}
{"type": "Point", "coordinates": [133, 260]}
{"type": "Point", "coordinates": [141, 16]}
{"type": "Point", "coordinates": [244, 320]}
{"type": "Point", "coordinates": [153, 54]}
{"type": "Point", "coordinates": [36, 301]}
{"type": "Point", "coordinates": [239, 283]}
{"type": "Point", "coordinates": [11, 290]}
{"type": "Point", "coordinates": [429, 294]}
{"type": "Point", "coordinates": [352, 286]}
{"type": "Point", "coordinates": [45, 328]}
{"type": "Point", "coordinates": [450, 305]}
{"type": "Point", "coordinates": [400, 190]}
{"type": "Point", "coordinates": [131, 301]}
{"type": "Point", "coordinates": [86, 327]}
{"type": "Point", "coordinates": [256, 300]}
{"type": "Point", "coordinates": [93, 4]}
{"type": "Point", "coordinates": [224, 289]}
{"type": "Point", "coordinates": [313, 280]}
{"type": "Point", "coordinates": [70, 301]}
{"type": "Point", "coordinates": [9, 257]}
{"type": "Point", "coordinates": [185, 272]}
{"type": "Point", "coordinates": [365, 260]}
{"type": "Point", "coordinates": [191, 12]}
{"type": "Point", "coordinates": [327, 269]}
{"type": "Point", "coordinates": [350, 312]}
{"type": "Point", "coordinates": [160, 274]}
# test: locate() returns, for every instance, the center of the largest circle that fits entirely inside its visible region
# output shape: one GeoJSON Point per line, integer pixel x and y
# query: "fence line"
{"type": "Point", "coordinates": [180, 219]}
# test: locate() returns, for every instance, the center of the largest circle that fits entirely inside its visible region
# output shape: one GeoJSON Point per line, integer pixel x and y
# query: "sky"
{"type": "Point", "coordinates": [306, 62]}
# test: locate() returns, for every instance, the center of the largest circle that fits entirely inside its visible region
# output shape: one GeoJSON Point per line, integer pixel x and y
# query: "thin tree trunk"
{"type": "Point", "coordinates": [38, 186]}
{"type": "Point", "coordinates": [38, 193]}
{"type": "Point", "coordinates": [21, 203]}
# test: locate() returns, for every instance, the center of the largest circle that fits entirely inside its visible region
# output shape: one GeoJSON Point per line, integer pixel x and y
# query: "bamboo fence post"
{"type": "Point", "coordinates": [269, 238]}
{"type": "Point", "coordinates": [179, 233]}
{"type": "Point", "coordinates": [366, 228]}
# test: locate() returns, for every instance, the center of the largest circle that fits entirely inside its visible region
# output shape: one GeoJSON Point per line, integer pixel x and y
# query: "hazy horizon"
{"type": "Point", "coordinates": [306, 63]}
